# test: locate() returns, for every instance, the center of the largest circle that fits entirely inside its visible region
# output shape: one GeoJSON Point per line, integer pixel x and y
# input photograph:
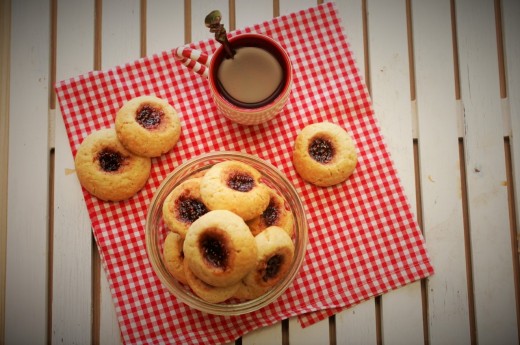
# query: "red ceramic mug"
{"type": "Point", "coordinates": [252, 87]}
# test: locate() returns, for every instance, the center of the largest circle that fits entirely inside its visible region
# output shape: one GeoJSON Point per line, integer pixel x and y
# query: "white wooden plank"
{"type": "Point", "coordinates": [109, 332]}
{"type": "Point", "coordinates": [72, 242]}
{"type": "Point", "coordinates": [312, 335]}
{"type": "Point", "coordinates": [351, 14]}
{"type": "Point", "coordinates": [270, 335]}
{"type": "Point", "coordinates": [441, 190]}
{"type": "Point", "coordinates": [288, 6]}
{"type": "Point", "coordinates": [28, 175]}
{"type": "Point", "coordinates": [389, 70]}
{"type": "Point", "coordinates": [121, 32]}
{"type": "Point", "coordinates": [511, 27]}
{"type": "Point", "coordinates": [356, 325]}
{"type": "Point", "coordinates": [199, 10]}
{"type": "Point", "coordinates": [252, 12]}
{"type": "Point", "coordinates": [485, 165]}
{"type": "Point", "coordinates": [164, 25]}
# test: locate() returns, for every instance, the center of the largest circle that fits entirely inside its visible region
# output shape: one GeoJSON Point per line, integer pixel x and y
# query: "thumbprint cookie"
{"type": "Point", "coordinates": [148, 126]}
{"type": "Point", "coordinates": [235, 186]}
{"type": "Point", "coordinates": [183, 206]}
{"type": "Point", "coordinates": [219, 248]}
{"type": "Point", "coordinates": [275, 255]}
{"type": "Point", "coordinates": [107, 170]}
{"type": "Point", "coordinates": [324, 154]}
{"type": "Point", "coordinates": [277, 213]}
{"type": "Point", "coordinates": [174, 256]}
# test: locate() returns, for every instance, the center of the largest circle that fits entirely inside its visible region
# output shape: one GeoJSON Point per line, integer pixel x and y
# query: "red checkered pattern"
{"type": "Point", "coordinates": [364, 240]}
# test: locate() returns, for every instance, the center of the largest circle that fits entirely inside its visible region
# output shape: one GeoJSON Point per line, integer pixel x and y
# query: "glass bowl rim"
{"type": "Point", "coordinates": [192, 300]}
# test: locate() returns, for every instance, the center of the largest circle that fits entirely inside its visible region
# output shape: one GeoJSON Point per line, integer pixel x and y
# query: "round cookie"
{"type": "Point", "coordinates": [174, 256]}
{"type": "Point", "coordinates": [324, 154]}
{"type": "Point", "coordinates": [209, 293]}
{"type": "Point", "coordinates": [107, 170]}
{"type": "Point", "coordinates": [277, 213]}
{"type": "Point", "coordinates": [219, 248]}
{"type": "Point", "coordinates": [183, 206]}
{"type": "Point", "coordinates": [275, 255]}
{"type": "Point", "coordinates": [148, 126]}
{"type": "Point", "coordinates": [234, 186]}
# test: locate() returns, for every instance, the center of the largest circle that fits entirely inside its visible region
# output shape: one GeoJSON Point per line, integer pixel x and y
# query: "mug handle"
{"type": "Point", "coordinates": [194, 59]}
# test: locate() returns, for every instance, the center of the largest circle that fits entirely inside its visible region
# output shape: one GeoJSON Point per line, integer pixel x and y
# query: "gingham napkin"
{"type": "Point", "coordinates": [364, 240]}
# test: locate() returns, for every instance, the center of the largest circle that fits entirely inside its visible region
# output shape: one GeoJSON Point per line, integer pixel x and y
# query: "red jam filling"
{"type": "Point", "coordinates": [321, 150]}
{"type": "Point", "coordinates": [148, 116]}
{"type": "Point", "coordinates": [241, 182]}
{"type": "Point", "coordinates": [214, 250]}
{"type": "Point", "coordinates": [110, 160]}
{"type": "Point", "coordinates": [272, 267]}
{"type": "Point", "coordinates": [190, 209]}
{"type": "Point", "coordinates": [271, 213]}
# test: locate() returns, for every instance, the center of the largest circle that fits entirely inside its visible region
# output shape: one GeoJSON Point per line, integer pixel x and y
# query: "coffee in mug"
{"type": "Point", "coordinates": [251, 79]}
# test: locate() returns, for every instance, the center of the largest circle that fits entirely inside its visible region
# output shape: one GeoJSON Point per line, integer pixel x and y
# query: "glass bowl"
{"type": "Point", "coordinates": [156, 231]}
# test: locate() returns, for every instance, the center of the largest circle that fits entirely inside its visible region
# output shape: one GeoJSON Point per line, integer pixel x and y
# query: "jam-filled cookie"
{"type": "Point", "coordinates": [219, 248]}
{"type": "Point", "coordinates": [324, 154]}
{"type": "Point", "coordinates": [207, 292]}
{"type": "Point", "coordinates": [107, 170]}
{"type": "Point", "coordinates": [174, 256]}
{"type": "Point", "coordinates": [275, 255]}
{"type": "Point", "coordinates": [277, 213]}
{"type": "Point", "coordinates": [183, 206]}
{"type": "Point", "coordinates": [148, 126]}
{"type": "Point", "coordinates": [235, 186]}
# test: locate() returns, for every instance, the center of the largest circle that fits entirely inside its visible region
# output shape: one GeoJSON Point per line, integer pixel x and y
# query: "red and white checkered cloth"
{"type": "Point", "coordinates": [364, 240]}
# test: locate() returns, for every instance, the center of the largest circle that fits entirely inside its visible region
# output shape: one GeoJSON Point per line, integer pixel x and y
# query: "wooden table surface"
{"type": "Point", "coordinates": [444, 77]}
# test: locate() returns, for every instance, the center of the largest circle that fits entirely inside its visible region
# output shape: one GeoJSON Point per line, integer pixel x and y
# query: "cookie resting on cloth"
{"type": "Point", "coordinates": [107, 170]}
{"type": "Point", "coordinates": [324, 154]}
{"type": "Point", "coordinates": [148, 126]}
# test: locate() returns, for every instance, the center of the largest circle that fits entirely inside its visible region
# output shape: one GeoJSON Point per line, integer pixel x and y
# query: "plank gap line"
{"type": "Point", "coordinates": [98, 20]}
{"type": "Point", "coordinates": [50, 256]}
{"type": "Point", "coordinates": [500, 49]}
{"type": "Point", "coordinates": [53, 43]}
{"type": "Point", "coordinates": [510, 183]}
{"type": "Point", "coordinates": [455, 49]}
{"type": "Point", "coordinates": [366, 49]}
{"type": "Point", "coordinates": [142, 37]}
{"type": "Point", "coordinates": [285, 332]}
{"type": "Point", "coordinates": [187, 21]}
{"type": "Point", "coordinates": [467, 243]}
{"type": "Point", "coordinates": [5, 46]}
{"type": "Point", "coordinates": [411, 58]}
{"type": "Point", "coordinates": [232, 15]}
{"type": "Point", "coordinates": [420, 221]}
{"type": "Point", "coordinates": [96, 293]}
{"type": "Point", "coordinates": [52, 160]}
{"type": "Point", "coordinates": [332, 330]}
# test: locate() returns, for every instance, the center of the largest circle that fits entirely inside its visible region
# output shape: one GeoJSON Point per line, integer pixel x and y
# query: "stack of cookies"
{"type": "Point", "coordinates": [230, 235]}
